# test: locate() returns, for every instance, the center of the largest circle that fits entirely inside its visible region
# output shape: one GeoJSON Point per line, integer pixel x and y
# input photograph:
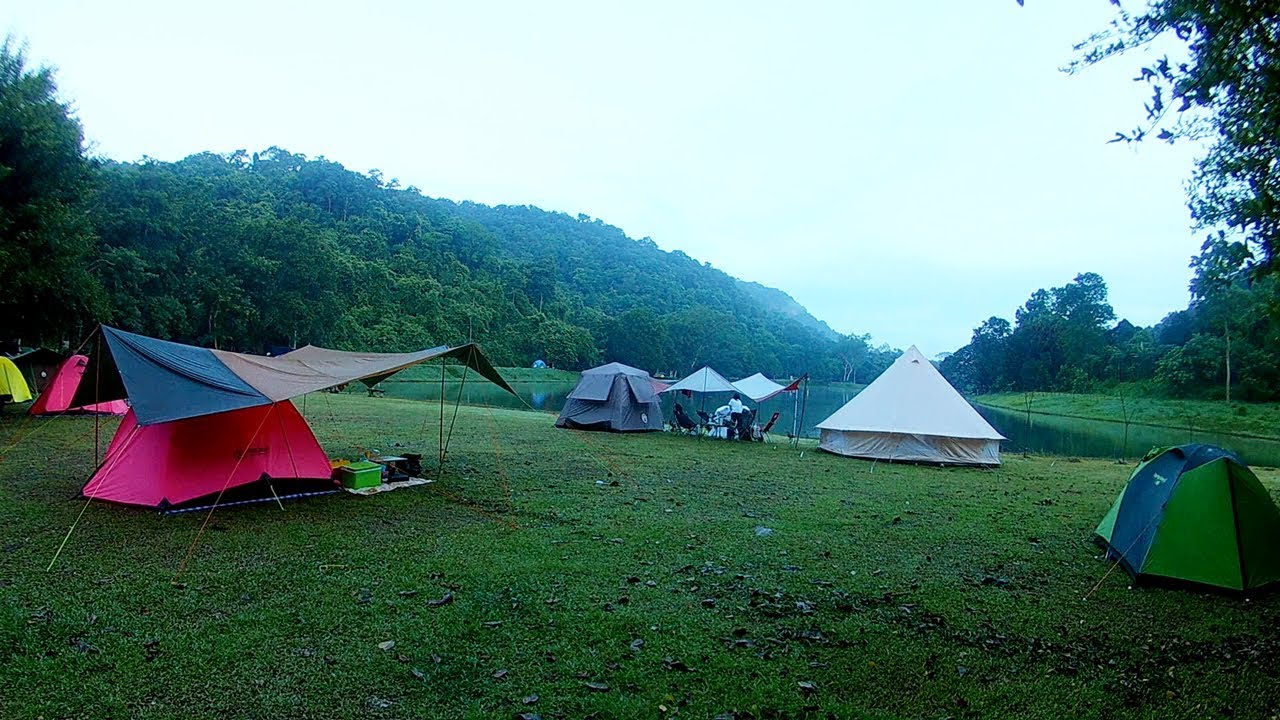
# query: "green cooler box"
{"type": "Point", "coordinates": [361, 474]}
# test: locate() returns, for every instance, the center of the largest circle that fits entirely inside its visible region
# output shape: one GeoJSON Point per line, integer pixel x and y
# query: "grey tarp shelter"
{"type": "Point", "coordinates": [613, 397]}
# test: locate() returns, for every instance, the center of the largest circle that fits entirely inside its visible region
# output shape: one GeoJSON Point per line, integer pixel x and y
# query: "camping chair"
{"type": "Point", "coordinates": [713, 425]}
{"type": "Point", "coordinates": [764, 431]}
{"type": "Point", "coordinates": [746, 425]}
{"type": "Point", "coordinates": [683, 423]}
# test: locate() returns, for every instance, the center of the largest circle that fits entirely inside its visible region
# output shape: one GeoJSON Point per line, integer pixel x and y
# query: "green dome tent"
{"type": "Point", "coordinates": [1195, 513]}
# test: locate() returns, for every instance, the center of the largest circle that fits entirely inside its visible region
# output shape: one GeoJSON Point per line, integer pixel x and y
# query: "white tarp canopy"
{"type": "Point", "coordinates": [912, 413]}
{"type": "Point", "coordinates": [705, 380]}
{"type": "Point", "coordinates": [760, 388]}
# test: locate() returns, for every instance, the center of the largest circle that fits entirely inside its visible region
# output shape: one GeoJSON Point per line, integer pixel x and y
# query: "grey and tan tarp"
{"type": "Point", "coordinates": [613, 397]}
{"type": "Point", "coordinates": [166, 381]}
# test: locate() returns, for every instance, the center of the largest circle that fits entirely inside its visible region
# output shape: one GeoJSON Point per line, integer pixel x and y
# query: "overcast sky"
{"type": "Point", "coordinates": [903, 169]}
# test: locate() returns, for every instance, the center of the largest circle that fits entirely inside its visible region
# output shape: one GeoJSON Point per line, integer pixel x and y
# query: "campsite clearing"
{"type": "Point", "coordinates": [633, 575]}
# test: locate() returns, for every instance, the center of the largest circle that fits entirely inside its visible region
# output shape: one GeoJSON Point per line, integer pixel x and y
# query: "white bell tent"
{"type": "Point", "coordinates": [911, 413]}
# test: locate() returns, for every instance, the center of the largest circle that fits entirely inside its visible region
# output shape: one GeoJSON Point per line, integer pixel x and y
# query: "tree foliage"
{"type": "Point", "coordinates": [45, 235]}
{"type": "Point", "coordinates": [1063, 339]}
{"type": "Point", "coordinates": [1223, 85]}
{"type": "Point", "coordinates": [245, 251]}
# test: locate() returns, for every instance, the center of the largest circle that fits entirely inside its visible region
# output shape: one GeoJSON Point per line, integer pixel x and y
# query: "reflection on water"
{"type": "Point", "coordinates": [1056, 435]}
{"type": "Point", "coordinates": [1041, 433]}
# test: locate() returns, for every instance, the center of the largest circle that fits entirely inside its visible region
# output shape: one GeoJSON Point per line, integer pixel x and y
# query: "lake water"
{"type": "Point", "coordinates": [1040, 433]}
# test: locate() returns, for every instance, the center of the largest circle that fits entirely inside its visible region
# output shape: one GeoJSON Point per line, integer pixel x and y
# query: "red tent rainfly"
{"type": "Point", "coordinates": [56, 397]}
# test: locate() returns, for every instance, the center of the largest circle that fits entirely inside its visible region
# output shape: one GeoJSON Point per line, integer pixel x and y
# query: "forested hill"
{"type": "Point", "coordinates": [246, 251]}
{"type": "Point", "coordinates": [780, 303]}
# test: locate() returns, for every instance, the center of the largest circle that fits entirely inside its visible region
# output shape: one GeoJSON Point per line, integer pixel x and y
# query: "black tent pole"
{"type": "Point", "coordinates": [97, 392]}
{"type": "Point", "coordinates": [441, 446]}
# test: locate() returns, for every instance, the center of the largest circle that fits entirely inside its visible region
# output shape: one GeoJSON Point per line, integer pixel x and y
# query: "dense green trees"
{"type": "Point", "coordinates": [45, 236]}
{"type": "Point", "coordinates": [1063, 339]}
{"type": "Point", "coordinates": [245, 251]}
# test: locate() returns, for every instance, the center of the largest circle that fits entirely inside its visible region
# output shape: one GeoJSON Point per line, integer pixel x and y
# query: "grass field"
{"type": "Point", "coordinates": [607, 576]}
{"type": "Point", "coordinates": [1254, 419]}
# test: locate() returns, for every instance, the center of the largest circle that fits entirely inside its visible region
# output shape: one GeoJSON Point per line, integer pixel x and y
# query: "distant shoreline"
{"type": "Point", "coordinates": [1205, 416]}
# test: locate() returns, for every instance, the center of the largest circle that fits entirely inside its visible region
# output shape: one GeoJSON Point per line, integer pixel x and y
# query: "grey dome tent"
{"type": "Point", "coordinates": [613, 397]}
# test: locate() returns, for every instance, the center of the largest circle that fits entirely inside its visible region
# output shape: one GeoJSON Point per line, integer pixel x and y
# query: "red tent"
{"type": "Point", "coordinates": [203, 421]}
{"type": "Point", "coordinates": [174, 462]}
{"type": "Point", "coordinates": [56, 397]}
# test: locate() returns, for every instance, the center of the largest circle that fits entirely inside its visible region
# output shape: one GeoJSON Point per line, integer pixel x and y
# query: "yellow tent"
{"type": "Point", "coordinates": [12, 387]}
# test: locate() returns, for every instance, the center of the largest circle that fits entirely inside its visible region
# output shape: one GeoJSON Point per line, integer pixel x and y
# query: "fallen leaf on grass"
{"type": "Point", "coordinates": [418, 674]}
{"type": "Point", "coordinates": [676, 665]}
{"type": "Point", "coordinates": [499, 674]}
{"type": "Point", "coordinates": [636, 645]}
{"type": "Point", "coordinates": [386, 645]}
{"type": "Point", "coordinates": [445, 600]}
{"type": "Point", "coordinates": [808, 686]}
{"type": "Point", "coordinates": [82, 646]}
{"type": "Point", "coordinates": [492, 623]}
{"type": "Point", "coordinates": [529, 699]}
{"type": "Point", "coordinates": [596, 687]}
{"type": "Point", "coordinates": [528, 716]}
{"type": "Point", "coordinates": [407, 593]}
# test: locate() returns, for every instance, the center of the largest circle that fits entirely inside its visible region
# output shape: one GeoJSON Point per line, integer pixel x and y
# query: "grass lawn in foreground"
{"type": "Point", "coordinates": [645, 576]}
{"type": "Point", "coordinates": [1255, 419]}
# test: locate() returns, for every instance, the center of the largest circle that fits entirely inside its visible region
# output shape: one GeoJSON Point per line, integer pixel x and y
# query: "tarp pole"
{"type": "Point", "coordinates": [462, 386]}
{"type": "Point", "coordinates": [97, 393]}
{"type": "Point", "coordinates": [441, 446]}
{"type": "Point", "coordinates": [795, 413]}
{"type": "Point", "coordinates": [704, 392]}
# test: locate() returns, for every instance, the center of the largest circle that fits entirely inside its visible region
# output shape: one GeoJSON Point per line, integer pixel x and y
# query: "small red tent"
{"type": "Point", "coordinates": [56, 397]}
{"type": "Point", "coordinates": [174, 462]}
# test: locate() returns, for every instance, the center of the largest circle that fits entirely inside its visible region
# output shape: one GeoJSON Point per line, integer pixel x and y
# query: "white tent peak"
{"type": "Point", "coordinates": [911, 397]}
{"type": "Point", "coordinates": [704, 380]}
{"type": "Point", "coordinates": [759, 388]}
{"type": "Point", "coordinates": [911, 413]}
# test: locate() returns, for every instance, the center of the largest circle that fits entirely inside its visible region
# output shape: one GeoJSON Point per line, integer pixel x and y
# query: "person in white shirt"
{"type": "Point", "coordinates": [735, 413]}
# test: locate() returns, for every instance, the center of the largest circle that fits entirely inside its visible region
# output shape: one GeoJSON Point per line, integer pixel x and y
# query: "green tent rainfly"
{"type": "Point", "coordinates": [1195, 513]}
